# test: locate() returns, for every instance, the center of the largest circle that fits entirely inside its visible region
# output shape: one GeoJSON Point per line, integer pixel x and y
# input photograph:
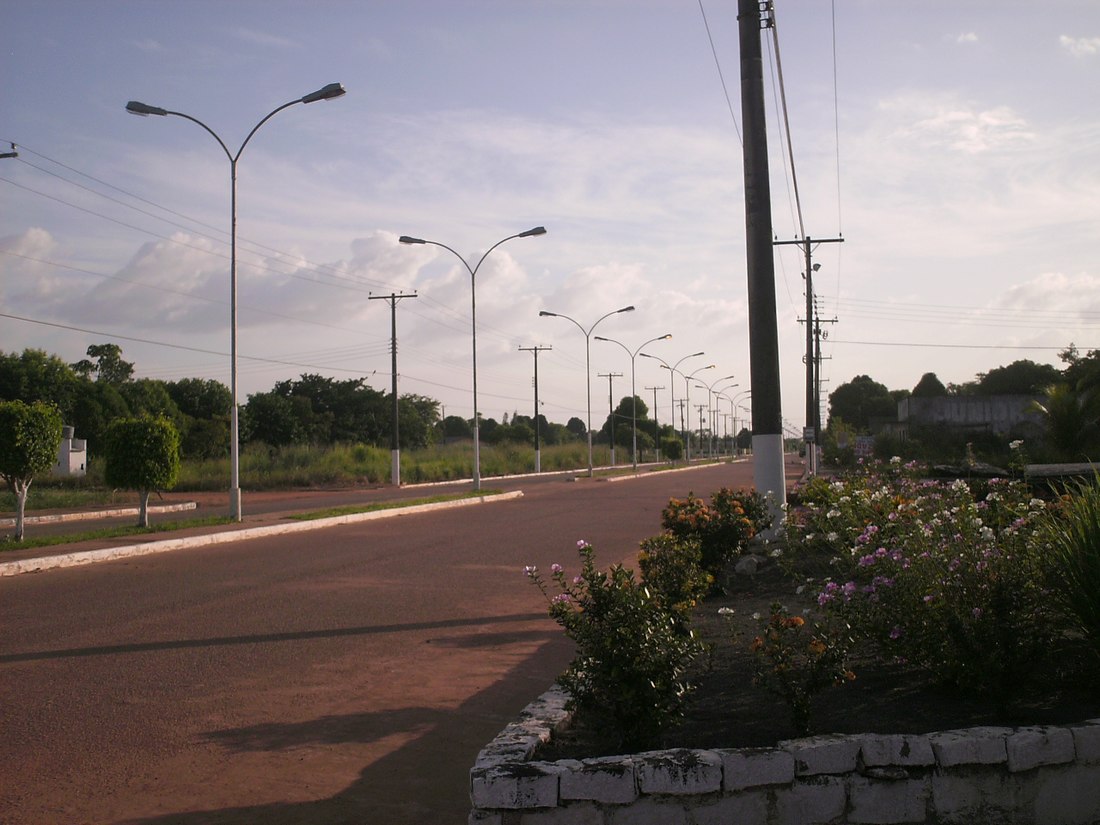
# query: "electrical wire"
{"type": "Point", "coordinates": [721, 76]}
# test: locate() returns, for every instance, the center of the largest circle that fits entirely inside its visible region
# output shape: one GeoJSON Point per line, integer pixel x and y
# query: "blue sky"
{"type": "Point", "coordinates": [957, 152]}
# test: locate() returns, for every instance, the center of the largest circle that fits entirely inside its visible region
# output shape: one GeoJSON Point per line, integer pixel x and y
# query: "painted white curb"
{"type": "Point", "coordinates": [14, 568]}
{"type": "Point", "coordinates": [58, 518]}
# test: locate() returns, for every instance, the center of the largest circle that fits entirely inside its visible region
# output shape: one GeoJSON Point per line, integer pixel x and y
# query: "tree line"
{"type": "Point", "coordinates": [1067, 400]}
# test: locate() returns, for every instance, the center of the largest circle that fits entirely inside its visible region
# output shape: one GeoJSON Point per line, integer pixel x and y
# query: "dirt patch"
{"type": "Point", "coordinates": [728, 711]}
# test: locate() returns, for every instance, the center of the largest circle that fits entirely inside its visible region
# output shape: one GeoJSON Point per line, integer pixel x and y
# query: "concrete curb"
{"type": "Point", "coordinates": [15, 568]}
{"type": "Point", "coordinates": [58, 518]}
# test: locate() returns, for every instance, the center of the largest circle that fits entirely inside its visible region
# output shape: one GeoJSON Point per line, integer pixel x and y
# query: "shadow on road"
{"type": "Point", "coordinates": [262, 638]}
{"type": "Point", "coordinates": [425, 780]}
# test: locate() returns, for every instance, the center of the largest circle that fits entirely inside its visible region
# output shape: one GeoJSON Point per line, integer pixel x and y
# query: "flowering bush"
{"type": "Point", "coordinates": [796, 659]}
{"type": "Point", "coordinates": [632, 655]}
{"type": "Point", "coordinates": [722, 528]}
{"type": "Point", "coordinates": [954, 585]}
{"type": "Point", "coordinates": [671, 568]}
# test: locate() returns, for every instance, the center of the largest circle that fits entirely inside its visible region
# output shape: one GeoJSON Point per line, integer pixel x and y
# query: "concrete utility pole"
{"type": "Point", "coordinates": [611, 376]}
{"type": "Point", "coordinates": [535, 350]}
{"type": "Point", "coordinates": [811, 434]}
{"type": "Point", "coordinates": [395, 441]}
{"type": "Point", "coordinates": [656, 429]}
{"type": "Point", "coordinates": [767, 414]}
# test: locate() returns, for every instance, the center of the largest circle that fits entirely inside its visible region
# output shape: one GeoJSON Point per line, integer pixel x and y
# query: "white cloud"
{"type": "Point", "coordinates": [264, 38]}
{"type": "Point", "coordinates": [967, 37]}
{"type": "Point", "coordinates": [1080, 46]}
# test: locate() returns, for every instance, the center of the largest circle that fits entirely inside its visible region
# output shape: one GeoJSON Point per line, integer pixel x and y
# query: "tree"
{"type": "Point", "coordinates": [29, 437]}
{"type": "Point", "coordinates": [576, 426]}
{"type": "Point", "coordinates": [623, 417]}
{"type": "Point", "coordinates": [143, 454]}
{"type": "Point", "coordinates": [456, 427]}
{"type": "Point", "coordinates": [1022, 377]}
{"type": "Point", "coordinates": [35, 376]}
{"type": "Point", "coordinates": [929, 386]}
{"type": "Point", "coordinates": [860, 400]}
{"type": "Point", "coordinates": [108, 366]}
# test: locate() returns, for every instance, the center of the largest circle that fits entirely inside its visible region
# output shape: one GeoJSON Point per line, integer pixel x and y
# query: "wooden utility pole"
{"type": "Point", "coordinates": [656, 429]}
{"type": "Point", "coordinates": [395, 441]}
{"type": "Point", "coordinates": [535, 350]}
{"type": "Point", "coordinates": [767, 413]}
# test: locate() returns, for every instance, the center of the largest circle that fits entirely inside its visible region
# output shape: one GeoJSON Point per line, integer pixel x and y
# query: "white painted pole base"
{"type": "Point", "coordinates": [768, 476]}
{"type": "Point", "coordinates": [395, 467]}
{"type": "Point", "coordinates": [538, 461]}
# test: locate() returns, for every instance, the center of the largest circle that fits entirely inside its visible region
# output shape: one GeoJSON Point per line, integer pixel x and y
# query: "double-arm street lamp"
{"type": "Point", "coordinates": [332, 90]}
{"type": "Point", "coordinates": [711, 411]}
{"type": "Point", "coordinates": [672, 381]}
{"type": "Point", "coordinates": [406, 239]}
{"type": "Point", "coordinates": [587, 364]}
{"type": "Point", "coordinates": [633, 392]}
{"type": "Point", "coordinates": [687, 403]}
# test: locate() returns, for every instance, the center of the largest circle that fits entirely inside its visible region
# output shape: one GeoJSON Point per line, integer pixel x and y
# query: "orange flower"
{"type": "Point", "coordinates": [817, 647]}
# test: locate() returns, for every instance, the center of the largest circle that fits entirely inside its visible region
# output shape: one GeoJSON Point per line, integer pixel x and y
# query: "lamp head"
{"type": "Point", "coordinates": [409, 239]}
{"type": "Point", "coordinates": [626, 309]}
{"type": "Point", "coordinates": [325, 93]}
{"type": "Point", "coordinates": [538, 230]}
{"type": "Point", "coordinates": [816, 267]}
{"type": "Point", "coordinates": [665, 337]}
{"type": "Point", "coordinates": [136, 108]}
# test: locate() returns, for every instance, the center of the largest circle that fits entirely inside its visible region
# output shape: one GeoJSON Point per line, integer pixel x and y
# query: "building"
{"type": "Point", "coordinates": [72, 455]}
{"type": "Point", "coordinates": [997, 414]}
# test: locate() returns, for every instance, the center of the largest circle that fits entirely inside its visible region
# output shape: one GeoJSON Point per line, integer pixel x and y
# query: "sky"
{"type": "Point", "coordinates": [955, 147]}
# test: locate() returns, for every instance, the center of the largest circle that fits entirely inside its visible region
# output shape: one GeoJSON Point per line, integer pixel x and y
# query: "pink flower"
{"type": "Point", "coordinates": [555, 568]}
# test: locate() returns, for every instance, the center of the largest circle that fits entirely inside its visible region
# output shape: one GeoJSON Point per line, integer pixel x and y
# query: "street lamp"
{"type": "Point", "coordinates": [538, 230]}
{"type": "Point", "coordinates": [587, 364]}
{"type": "Point", "coordinates": [672, 383]}
{"type": "Point", "coordinates": [687, 403]}
{"type": "Point", "coordinates": [712, 411]}
{"type": "Point", "coordinates": [633, 392]}
{"type": "Point", "coordinates": [332, 90]}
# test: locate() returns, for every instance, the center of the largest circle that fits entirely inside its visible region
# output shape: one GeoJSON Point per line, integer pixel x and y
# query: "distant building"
{"type": "Point", "coordinates": [997, 414]}
{"type": "Point", "coordinates": [72, 455]}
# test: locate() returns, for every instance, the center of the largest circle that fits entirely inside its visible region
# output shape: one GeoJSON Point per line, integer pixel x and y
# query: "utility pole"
{"type": "Point", "coordinates": [818, 335]}
{"type": "Point", "coordinates": [767, 414]}
{"type": "Point", "coordinates": [811, 434]}
{"type": "Point", "coordinates": [656, 429]}
{"type": "Point", "coordinates": [611, 376]}
{"type": "Point", "coordinates": [395, 441]}
{"type": "Point", "coordinates": [535, 350]}
{"type": "Point", "coordinates": [699, 412]}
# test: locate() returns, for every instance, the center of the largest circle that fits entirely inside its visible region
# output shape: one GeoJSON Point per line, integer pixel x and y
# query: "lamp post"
{"type": "Point", "coordinates": [633, 393]}
{"type": "Point", "coordinates": [687, 398]}
{"type": "Point", "coordinates": [406, 239]}
{"type": "Point", "coordinates": [587, 364]}
{"type": "Point", "coordinates": [672, 382]}
{"type": "Point", "coordinates": [711, 410]}
{"type": "Point", "coordinates": [332, 90]}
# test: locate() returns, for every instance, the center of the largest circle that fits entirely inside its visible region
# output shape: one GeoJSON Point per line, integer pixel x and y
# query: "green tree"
{"type": "Point", "coordinates": [1022, 377]}
{"type": "Point", "coordinates": [143, 454]}
{"type": "Point", "coordinates": [929, 386]}
{"type": "Point", "coordinates": [108, 366]}
{"type": "Point", "coordinates": [29, 438]}
{"type": "Point", "coordinates": [860, 400]}
{"type": "Point", "coordinates": [576, 426]}
{"type": "Point", "coordinates": [1069, 425]}
{"type": "Point", "coordinates": [33, 375]}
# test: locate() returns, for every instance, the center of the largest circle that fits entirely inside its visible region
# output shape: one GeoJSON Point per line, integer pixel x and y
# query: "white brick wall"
{"type": "Point", "coordinates": [1029, 776]}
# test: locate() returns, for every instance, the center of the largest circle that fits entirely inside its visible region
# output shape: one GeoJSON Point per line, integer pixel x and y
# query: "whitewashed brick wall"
{"type": "Point", "coordinates": [1025, 776]}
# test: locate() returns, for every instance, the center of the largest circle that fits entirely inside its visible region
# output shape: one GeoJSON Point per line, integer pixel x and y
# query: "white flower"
{"type": "Point", "coordinates": [832, 537]}
{"type": "Point", "coordinates": [756, 616]}
{"type": "Point", "coordinates": [726, 611]}
{"type": "Point", "coordinates": [776, 553]}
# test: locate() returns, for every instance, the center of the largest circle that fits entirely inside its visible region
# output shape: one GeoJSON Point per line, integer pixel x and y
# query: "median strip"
{"type": "Point", "coordinates": [14, 568]}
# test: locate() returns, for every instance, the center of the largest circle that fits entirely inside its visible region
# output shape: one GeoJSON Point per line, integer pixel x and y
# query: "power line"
{"type": "Point", "coordinates": [721, 77]}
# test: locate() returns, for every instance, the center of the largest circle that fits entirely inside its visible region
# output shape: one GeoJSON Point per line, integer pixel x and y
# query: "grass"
{"type": "Point", "coordinates": [8, 544]}
{"type": "Point", "coordinates": [355, 509]}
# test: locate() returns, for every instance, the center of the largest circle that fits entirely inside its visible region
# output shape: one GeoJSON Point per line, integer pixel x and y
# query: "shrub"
{"type": "Point", "coordinates": [672, 448]}
{"type": "Point", "coordinates": [629, 674]}
{"type": "Point", "coordinates": [1071, 532]}
{"type": "Point", "coordinates": [722, 528]}
{"type": "Point", "coordinates": [797, 659]}
{"type": "Point", "coordinates": [672, 568]}
{"type": "Point", "coordinates": [955, 586]}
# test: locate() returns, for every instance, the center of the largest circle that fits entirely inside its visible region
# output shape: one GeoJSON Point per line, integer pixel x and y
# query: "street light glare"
{"type": "Point", "coordinates": [325, 93]}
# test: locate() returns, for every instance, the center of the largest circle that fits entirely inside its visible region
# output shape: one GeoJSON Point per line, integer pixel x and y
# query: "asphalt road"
{"type": "Point", "coordinates": [344, 675]}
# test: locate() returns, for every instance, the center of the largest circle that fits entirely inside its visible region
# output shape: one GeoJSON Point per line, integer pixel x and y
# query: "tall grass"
{"type": "Point", "coordinates": [1073, 537]}
{"type": "Point", "coordinates": [301, 466]}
